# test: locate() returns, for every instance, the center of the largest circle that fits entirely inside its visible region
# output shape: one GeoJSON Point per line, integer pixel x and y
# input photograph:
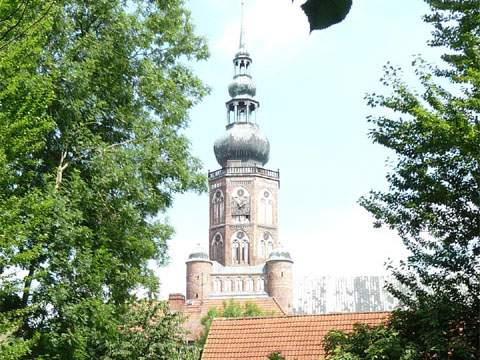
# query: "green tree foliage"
{"type": "Point", "coordinates": [150, 331]}
{"type": "Point", "coordinates": [230, 309]}
{"type": "Point", "coordinates": [365, 342]}
{"type": "Point", "coordinates": [275, 356]}
{"type": "Point", "coordinates": [433, 200]}
{"type": "Point", "coordinates": [92, 107]}
{"type": "Point", "coordinates": [19, 19]}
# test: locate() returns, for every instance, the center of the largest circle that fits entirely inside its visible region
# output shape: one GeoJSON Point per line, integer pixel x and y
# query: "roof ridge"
{"type": "Point", "coordinates": [302, 315]}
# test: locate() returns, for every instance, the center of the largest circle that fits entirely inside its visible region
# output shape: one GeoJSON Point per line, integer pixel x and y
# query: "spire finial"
{"type": "Point", "coordinates": [242, 27]}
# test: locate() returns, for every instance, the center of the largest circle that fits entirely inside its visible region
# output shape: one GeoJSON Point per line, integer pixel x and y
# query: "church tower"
{"type": "Point", "coordinates": [244, 257]}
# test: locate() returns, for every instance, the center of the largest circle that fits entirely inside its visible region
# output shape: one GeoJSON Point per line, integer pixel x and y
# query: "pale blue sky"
{"type": "Point", "coordinates": [311, 89]}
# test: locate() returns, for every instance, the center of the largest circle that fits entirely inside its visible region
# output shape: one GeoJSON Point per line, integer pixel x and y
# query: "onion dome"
{"type": "Point", "coordinates": [244, 142]}
{"type": "Point", "coordinates": [280, 254]}
{"type": "Point", "coordinates": [198, 254]}
{"type": "Point", "coordinates": [242, 85]}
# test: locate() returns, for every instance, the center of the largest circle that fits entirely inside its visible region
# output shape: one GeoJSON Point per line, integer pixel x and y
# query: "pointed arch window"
{"type": "Point", "coordinates": [240, 248]}
{"type": "Point", "coordinates": [218, 208]}
{"type": "Point", "coordinates": [245, 249]}
{"type": "Point", "coordinates": [217, 246]}
{"type": "Point", "coordinates": [265, 208]}
{"type": "Point", "coordinates": [269, 248]}
{"type": "Point", "coordinates": [266, 245]}
{"type": "Point", "coordinates": [236, 252]}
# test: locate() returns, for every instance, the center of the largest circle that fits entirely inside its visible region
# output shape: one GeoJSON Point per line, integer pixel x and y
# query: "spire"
{"type": "Point", "coordinates": [241, 45]}
{"type": "Point", "coordinates": [243, 140]}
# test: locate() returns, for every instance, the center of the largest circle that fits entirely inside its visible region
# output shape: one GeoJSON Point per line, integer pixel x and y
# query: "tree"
{"type": "Point", "coordinates": [230, 309]}
{"type": "Point", "coordinates": [366, 342]}
{"type": "Point", "coordinates": [92, 108]}
{"type": "Point", "coordinates": [433, 200]}
{"type": "Point", "coordinates": [150, 331]}
{"type": "Point", "coordinates": [20, 18]}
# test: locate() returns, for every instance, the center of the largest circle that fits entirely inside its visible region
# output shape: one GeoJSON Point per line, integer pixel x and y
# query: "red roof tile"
{"type": "Point", "coordinates": [295, 337]}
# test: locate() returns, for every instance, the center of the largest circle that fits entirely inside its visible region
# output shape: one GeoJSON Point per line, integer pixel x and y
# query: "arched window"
{"type": "Point", "coordinates": [240, 205]}
{"type": "Point", "coordinates": [217, 246]}
{"type": "Point", "coordinates": [269, 248]}
{"type": "Point", "coordinates": [242, 114]}
{"type": "Point", "coordinates": [265, 208]}
{"type": "Point", "coordinates": [266, 245]}
{"type": "Point", "coordinates": [218, 208]}
{"type": "Point", "coordinates": [245, 251]}
{"type": "Point", "coordinates": [240, 248]}
{"type": "Point", "coordinates": [236, 252]}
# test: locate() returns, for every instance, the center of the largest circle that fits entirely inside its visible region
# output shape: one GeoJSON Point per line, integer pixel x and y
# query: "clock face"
{"type": "Point", "coordinates": [240, 203]}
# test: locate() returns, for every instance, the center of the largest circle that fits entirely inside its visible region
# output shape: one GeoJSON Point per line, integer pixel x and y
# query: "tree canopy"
{"type": "Point", "coordinates": [433, 199]}
{"type": "Point", "coordinates": [94, 97]}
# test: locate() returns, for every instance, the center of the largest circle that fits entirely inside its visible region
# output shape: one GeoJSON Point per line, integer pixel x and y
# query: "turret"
{"type": "Point", "coordinates": [199, 269]}
{"type": "Point", "coordinates": [280, 279]}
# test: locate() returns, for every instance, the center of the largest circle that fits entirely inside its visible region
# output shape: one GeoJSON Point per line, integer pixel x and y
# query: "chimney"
{"type": "Point", "coordinates": [176, 302]}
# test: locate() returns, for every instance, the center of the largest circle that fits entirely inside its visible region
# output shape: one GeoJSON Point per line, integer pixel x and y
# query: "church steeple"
{"type": "Point", "coordinates": [243, 141]}
{"type": "Point", "coordinates": [244, 258]}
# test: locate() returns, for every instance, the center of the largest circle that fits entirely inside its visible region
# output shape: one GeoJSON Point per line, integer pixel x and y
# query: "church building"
{"type": "Point", "coordinates": [244, 260]}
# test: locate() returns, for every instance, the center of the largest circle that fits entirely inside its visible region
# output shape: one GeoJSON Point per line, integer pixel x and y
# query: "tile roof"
{"type": "Point", "coordinates": [195, 310]}
{"type": "Point", "coordinates": [295, 337]}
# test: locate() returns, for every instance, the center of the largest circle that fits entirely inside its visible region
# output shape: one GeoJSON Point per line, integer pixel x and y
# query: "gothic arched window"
{"type": "Point", "coordinates": [240, 248]}
{"type": "Point", "coordinates": [217, 246]}
{"type": "Point", "coordinates": [245, 251]}
{"type": "Point", "coordinates": [218, 208]}
{"type": "Point", "coordinates": [236, 252]}
{"type": "Point", "coordinates": [265, 208]}
{"type": "Point", "coordinates": [266, 245]}
{"type": "Point", "coordinates": [269, 248]}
